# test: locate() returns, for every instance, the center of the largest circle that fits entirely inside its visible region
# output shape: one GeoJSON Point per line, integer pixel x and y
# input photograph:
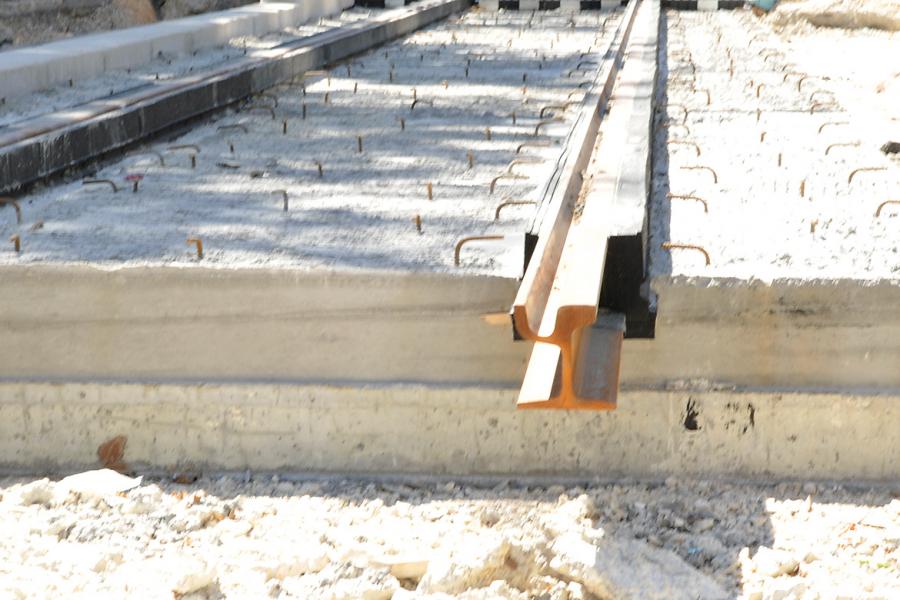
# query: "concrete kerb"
{"type": "Point", "coordinates": [28, 70]}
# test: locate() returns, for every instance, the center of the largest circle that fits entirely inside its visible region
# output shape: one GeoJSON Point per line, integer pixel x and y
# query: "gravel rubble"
{"type": "Point", "coordinates": [101, 535]}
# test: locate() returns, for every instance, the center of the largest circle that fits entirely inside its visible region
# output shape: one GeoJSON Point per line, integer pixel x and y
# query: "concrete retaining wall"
{"type": "Point", "coordinates": [450, 431]}
{"type": "Point", "coordinates": [28, 70]}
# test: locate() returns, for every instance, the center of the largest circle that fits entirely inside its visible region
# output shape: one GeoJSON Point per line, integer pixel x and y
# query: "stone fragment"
{"type": "Point", "coordinates": [465, 562]}
{"type": "Point", "coordinates": [614, 568]}
{"type": "Point", "coordinates": [774, 563]}
{"type": "Point", "coordinates": [37, 492]}
{"type": "Point", "coordinates": [97, 484]}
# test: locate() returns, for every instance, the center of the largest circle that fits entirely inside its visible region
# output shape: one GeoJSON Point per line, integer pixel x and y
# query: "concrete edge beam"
{"type": "Point", "coordinates": [32, 69]}
{"type": "Point", "coordinates": [53, 151]}
{"type": "Point", "coordinates": [77, 323]}
{"type": "Point", "coordinates": [450, 431]}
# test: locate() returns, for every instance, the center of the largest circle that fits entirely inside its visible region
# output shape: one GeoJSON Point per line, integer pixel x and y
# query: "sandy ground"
{"type": "Point", "coordinates": [479, 83]}
{"type": "Point", "coordinates": [750, 132]}
{"type": "Point", "coordinates": [102, 535]}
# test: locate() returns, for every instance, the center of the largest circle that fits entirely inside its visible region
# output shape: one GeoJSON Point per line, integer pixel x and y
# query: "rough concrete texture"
{"type": "Point", "coordinates": [428, 126]}
{"type": "Point", "coordinates": [801, 218]}
{"type": "Point", "coordinates": [27, 70]}
{"type": "Point", "coordinates": [207, 325]}
{"type": "Point", "coordinates": [260, 536]}
{"type": "Point", "coordinates": [802, 273]}
{"type": "Point", "coordinates": [451, 431]}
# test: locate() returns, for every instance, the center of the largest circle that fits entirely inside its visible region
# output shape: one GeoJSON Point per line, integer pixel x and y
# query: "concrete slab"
{"type": "Point", "coordinates": [450, 431]}
{"type": "Point", "coordinates": [346, 234]}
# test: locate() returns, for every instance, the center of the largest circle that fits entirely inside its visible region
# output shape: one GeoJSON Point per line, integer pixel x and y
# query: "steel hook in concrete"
{"type": "Point", "coordinates": [158, 155]}
{"type": "Point", "coordinates": [194, 149]}
{"type": "Point", "coordinates": [199, 245]}
{"type": "Point", "coordinates": [704, 168]}
{"type": "Point", "coordinates": [864, 170]}
{"type": "Point", "coordinates": [533, 143]}
{"type": "Point", "coordinates": [15, 204]}
{"type": "Point", "coordinates": [504, 176]}
{"type": "Point", "coordinates": [16, 242]}
{"type": "Point", "coordinates": [689, 197]}
{"type": "Point", "coordinates": [841, 145]}
{"type": "Point", "coordinates": [506, 203]}
{"type": "Point", "coordinates": [473, 238]}
{"type": "Point", "coordinates": [108, 182]}
{"type": "Point", "coordinates": [824, 125]}
{"type": "Point", "coordinates": [284, 197]}
{"type": "Point", "coordinates": [674, 245]}
{"type": "Point", "coordinates": [418, 101]}
{"type": "Point", "coordinates": [537, 128]}
{"type": "Point", "coordinates": [883, 204]}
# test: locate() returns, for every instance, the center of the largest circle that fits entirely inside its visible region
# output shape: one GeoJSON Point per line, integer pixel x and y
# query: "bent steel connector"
{"type": "Point", "coordinates": [841, 145]}
{"type": "Point", "coordinates": [199, 245]}
{"type": "Point", "coordinates": [506, 203]}
{"type": "Point", "coordinates": [689, 197]}
{"type": "Point", "coordinates": [194, 149]}
{"type": "Point", "coordinates": [703, 168]}
{"type": "Point", "coordinates": [505, 176]}
{"type": "Point", "coordinates": [555, 107]}
{"type": "Point", "coordinates": [108, 182]}
{"type": "Point", "coordinates": [16, 242]}
{"type": "Point", "coordinates": [826, 124]}
{"type": "Point", "coordinates": [535, 144]}
{"type": "Point", "coordinates": [472, 238]}
{"type": "Point", "coordinates": [284, 197]}
{"type": "Point", "coordinates": [158, 155]}
{"type": "Point", "coordinates": [678, 246]}
{"type": "Point", "coordinates": [864, 170]}
{"type": "Point", "coordinates": [15, 204]}
{"type": "Point", "coordinates": [883, 204]}
{"type": "Point", "coordinates": [537, 128]}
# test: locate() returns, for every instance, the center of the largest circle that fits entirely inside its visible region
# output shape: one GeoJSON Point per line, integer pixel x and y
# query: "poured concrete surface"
{"type": "Point", "coordinates": [472, 113]}
{"type": "Point", "coordinates": [803, 280]}
{"type": "Point", "coordinates": [451, 431]}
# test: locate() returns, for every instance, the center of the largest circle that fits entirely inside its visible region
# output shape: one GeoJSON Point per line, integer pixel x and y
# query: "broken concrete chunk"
{"type": "Point", "coordinates": [630, 569]}
{"type": "Point", "coordinates": [97, 484]}
{"type": "Point", "coordinates": [37, 492]}
{"type": "Point", "coordinates": [467, 562]}
{"type": "Point", "coordinates": [774, 563]}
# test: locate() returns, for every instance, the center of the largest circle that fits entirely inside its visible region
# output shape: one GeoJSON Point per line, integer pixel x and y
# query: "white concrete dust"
{"type": "Point", "coordinates": [162, 68]}
{"type": "Point", "coordinates": [769, 143]}
{"type": "Point", "coordinates": [469, 76]}
{"type": "Point", "coordinates": [264, 536]}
